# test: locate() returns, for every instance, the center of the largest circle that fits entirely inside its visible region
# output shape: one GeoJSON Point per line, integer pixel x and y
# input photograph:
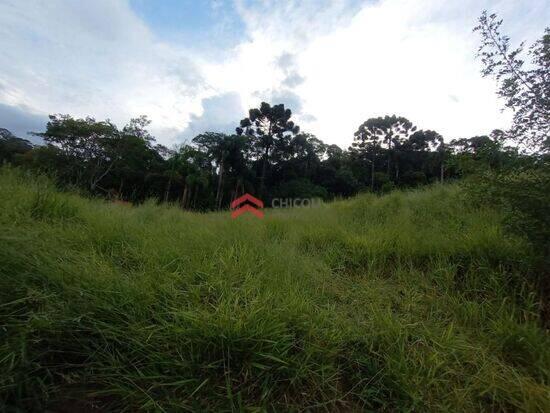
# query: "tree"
{"type": "Point", "coordinates": [87, 142]}
{"type": "Point", "coordinates": [97, 152]}
{"type": "Point", "coordinates": [366, 142]}
{"type": "Point", "coordinates": [215, 145]}
{"type": "Point", "coordinates": [194, 166]}
{"type": "Point", "coordinates": [225, 151]}
{"type": "Point", "coordinates": [267, 125]}
{"type": "Point", "coordinates": [420, 147]}
{"type": "Point", "coordinates": [479, 154]}
{"type": "Point", "coordinates": [308, 151]}
{"type": "Point", "coordinates": [424, 140]}
{"type": "Point", "coordinates": [525, 90]}
{"type": "Point", "coordinates": [137, 156]}
{"type": "Point", "coordinates": [390, 131]}
{"type": "Point", "coordinates": [443, 154]}
{"type": "Point", "coordinates": [297, 156]}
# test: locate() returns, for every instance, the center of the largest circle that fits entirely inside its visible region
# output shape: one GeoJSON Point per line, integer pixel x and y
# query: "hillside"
{"type": "Point", "coordinates": [410, 301]}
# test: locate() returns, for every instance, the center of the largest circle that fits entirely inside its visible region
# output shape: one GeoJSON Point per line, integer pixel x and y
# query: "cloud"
{"type": "Point", "coordinates": [287, 63]}
{"type": "Point", "coordinates": [20, 122]}
{"type": "Point", "coordinates": [356, 61]}
{"type": "Point", "coordinates": [293, 79]}
{"type": "Point", "coordinates": [454, 99]}
{"type": "Point", "coordinates": [94, 58]}
{"type": "Point", "coordinates": [289, 98]}
{"type": "Point", "coordinates": [307, 118]}
{"type": "Point", "coordinates": [335, 63]}
{"type": "Point", "coordinates": [397, 56]}
{"type": "Point", "coordinates": [298, 21]}
{"type": "Point", "coordinates": [220, 113]}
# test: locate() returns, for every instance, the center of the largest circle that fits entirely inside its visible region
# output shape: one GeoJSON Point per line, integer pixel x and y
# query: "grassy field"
{"type": "Point", "coordinates": [413, 301]}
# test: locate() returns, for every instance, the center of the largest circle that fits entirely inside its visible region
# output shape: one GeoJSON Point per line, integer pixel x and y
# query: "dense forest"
{"type": "Point", "coordinates": [268, 156]}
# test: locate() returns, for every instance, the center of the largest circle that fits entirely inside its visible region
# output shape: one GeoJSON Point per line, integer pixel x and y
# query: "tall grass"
{"type": "Point", "coordinates": [414, 301]}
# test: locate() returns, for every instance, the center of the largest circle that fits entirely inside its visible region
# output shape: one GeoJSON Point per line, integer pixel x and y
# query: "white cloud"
{"type": "Point", "coordinates": [21, 121]}
{"type": "Point", "coordinates": [220, 113]}
{"type": "Point", "coordinates": [393, 59]}
{"type": "Point", "coordinates": [93, 58]}
{"type": "Point", "coordinates": [416, 59]}
{"type": "Point", "coordinates": [337, 62]}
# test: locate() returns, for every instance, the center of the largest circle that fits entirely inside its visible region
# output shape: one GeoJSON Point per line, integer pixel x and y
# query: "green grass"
{"type": "Point", "coordinates": [413, 301]}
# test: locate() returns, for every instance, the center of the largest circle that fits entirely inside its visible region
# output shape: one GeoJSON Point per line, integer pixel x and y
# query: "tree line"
{"type": "Point", "coordinates": [267, 156]}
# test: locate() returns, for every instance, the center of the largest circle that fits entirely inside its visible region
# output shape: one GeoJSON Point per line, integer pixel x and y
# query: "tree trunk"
{"type": "Point", "coordinates": [195, 195]}
{"type": "Point", "coordinates": [442, 172]}
{"type": "Point", "coordinates": [184, 197]}
{"type": "Point", "coordinates": [264, 169]}
{"type": "Point", "coordinates": [396, 172]}
{"type": "Point", "coordinates": [168, 187]}
{"type": "Point", "coordinates": [239, 190]}
{"type": "Point", "coordinates": [372, 174]}
{"type": "Point", "coordinates": [121, 186]}
{"type": "Point", "coordinates": [220, 186]}
{"type": "Point", "coordinates": [95, 180]}
{"type": "Point", "coordinates": [389, 159]}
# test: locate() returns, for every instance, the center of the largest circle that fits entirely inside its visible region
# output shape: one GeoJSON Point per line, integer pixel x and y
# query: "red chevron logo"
{"type": "Point", "coordinates": [239, 206]}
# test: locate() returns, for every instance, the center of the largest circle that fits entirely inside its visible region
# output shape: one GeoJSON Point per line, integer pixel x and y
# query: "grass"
{"type": "Point", "coordinates": [413, 301]}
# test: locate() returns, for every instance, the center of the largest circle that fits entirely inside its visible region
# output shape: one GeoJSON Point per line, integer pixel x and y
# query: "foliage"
{"type": "Point", "coordinates": [408, 153]}
{"type": "Point", "coordinates": [519, 185]}
{"type": "Point", "coordinates": [268, 152]}
{"type": "Point", "coordinates": [270, 126]}
{"type": "Point", "coordinates": [300, 188]}
{"type": "Point", "coordinates": [526, 90]}
{"type": "Point", "coordinates": [91, 154]}
{"type": "Point", "coordinates": [523, 194]}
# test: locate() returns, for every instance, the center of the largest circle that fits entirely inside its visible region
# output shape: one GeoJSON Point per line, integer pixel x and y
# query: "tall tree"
{"type": "Point", "coordinates": [421, 146]}
{"type": "Point", "coordinates": [526, 90]}
{"type": "Point", "coordinates": [424, 140]}
{"type": "Point", "coordinates": [442, 154]}
{"type": "Point", "coordinates": [391, 131]}
{"type": "Point", "coordinates": [194, 166]}
{"type": "Point", "coordinates": [267, 124]}
{"type": "Point", "coordinates": [226, 153]}
{"type": "Point", "coordinates": [138, 156]}
{"type": "Point", "coordinates": [216, 146]}
{"type": "Point", "coordinates": [366, 146]}
{"type": "Point", "coordinates": [86, 141]}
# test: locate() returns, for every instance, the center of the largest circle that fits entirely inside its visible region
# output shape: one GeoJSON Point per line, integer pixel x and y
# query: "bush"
{"type": "Point", "coordinates": [523, 195]}
{"type": "Point", "coordinates": [300, 188]}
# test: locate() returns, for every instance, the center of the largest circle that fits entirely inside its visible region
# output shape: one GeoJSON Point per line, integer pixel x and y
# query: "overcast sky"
{"type": "Point", "coordinates": [194, 65]}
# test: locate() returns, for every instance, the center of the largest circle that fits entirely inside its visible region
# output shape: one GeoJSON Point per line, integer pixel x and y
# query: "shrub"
{"type": "Point", "coordinates": [523, 195]}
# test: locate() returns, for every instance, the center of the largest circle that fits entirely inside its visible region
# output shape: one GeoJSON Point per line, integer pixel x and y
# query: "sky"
{"type": "Point", "coordinates": [196, 65]}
